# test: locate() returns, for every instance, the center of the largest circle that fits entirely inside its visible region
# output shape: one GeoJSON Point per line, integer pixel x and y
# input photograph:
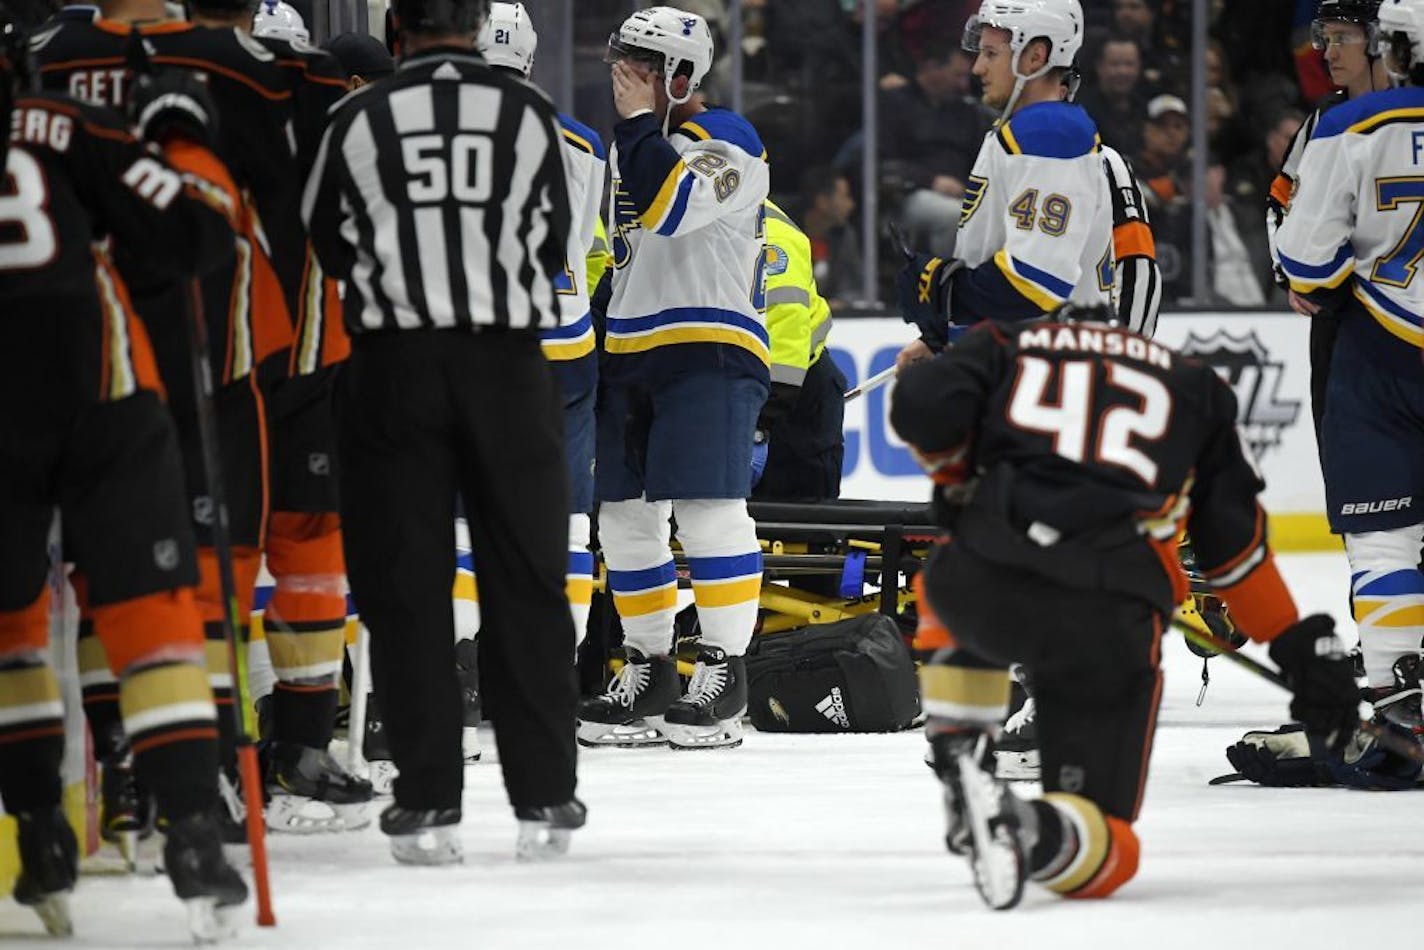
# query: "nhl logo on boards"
{"type": "Point", "coordinates": [165, 554]}
{"type": "Point", "coordinates": [833, 708]}
{"type": "Point", "coordinates": [1245, 364]}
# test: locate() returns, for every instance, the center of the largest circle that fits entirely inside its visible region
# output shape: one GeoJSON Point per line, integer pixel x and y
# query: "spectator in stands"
{"type": "Point", "coordinates": [1165, 136]}
{"type": "Point", "coordinates": [930, 133]}
{"type": "Point", "coordinates": [1248, 182]}
{"type": "Point", "coordinates": [827, 206]}
{"type": "Point", "coordinates": [1116, 99]}
{"type": "Point", "coordinates": [1224, 131]}
{"type": "Point", "coordinates": [1237, 263]}
{"type": "Point", "coordinates": [1159, 167]}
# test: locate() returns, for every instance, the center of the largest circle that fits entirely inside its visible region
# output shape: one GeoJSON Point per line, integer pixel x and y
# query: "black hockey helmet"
{"type": "Point", "coordinates": [1362, 13]}
{"type": "Point", "coordinates": [1071, 312]}
{"type": "Point", "coordinates": [17, 19]}
{"type": "Point", "coordinates": [440, 16]}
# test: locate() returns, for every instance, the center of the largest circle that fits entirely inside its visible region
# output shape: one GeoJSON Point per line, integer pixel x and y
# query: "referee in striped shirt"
{"type": "Point", "coordinates": [439, 197]}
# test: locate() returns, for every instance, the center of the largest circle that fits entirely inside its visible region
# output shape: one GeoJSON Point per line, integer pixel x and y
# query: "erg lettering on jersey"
{"type": "Point", "coordinates": [41, 127]}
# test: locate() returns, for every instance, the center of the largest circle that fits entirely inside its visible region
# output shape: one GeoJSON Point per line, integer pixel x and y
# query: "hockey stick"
{"type": "Point", "coordinates": [1394, 743]}
{"type": "Point", "coordinates": [874, 382]}
{"type": "Point", "coordinates": [231, 622]}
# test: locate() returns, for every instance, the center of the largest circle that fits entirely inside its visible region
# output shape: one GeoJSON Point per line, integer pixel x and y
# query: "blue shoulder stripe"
{"type": "Point", "coordinates": [1050, 130]}
{"type": "Point", "coordinates": [582, 137]}
{"type": "Point", "coordinates": [726, 126]}
{"type": "Point", "coordinates": [1371, 111]}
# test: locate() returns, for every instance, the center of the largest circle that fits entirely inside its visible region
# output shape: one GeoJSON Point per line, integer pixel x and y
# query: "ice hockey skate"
{"type": "Point", "coordinates": [49, 864]}
{"type": "Point", "coordinates": [544, 833]}
{"type": "Point", "coordinates": [1399, 704]}
{"type": "Point", "coordinates": [467, 671]}
{"type": "Point", "coordinates": [710, 715]}
{"type": "Point", "coordinates": [427, 837]}
{"type": "Point", "coordinates": [202, 878]}
{"type": "Point", "coordinates": [982, 822]}
{"type": "Point", "coordinates": [311, 793]}
{"type": "Point", "coordinates": [128, 809]}
{"type": "Point", "coordinates": [630, 713]}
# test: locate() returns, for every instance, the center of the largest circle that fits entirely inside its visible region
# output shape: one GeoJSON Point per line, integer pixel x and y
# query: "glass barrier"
{"type": "Point", "coordinates": [814, 75]}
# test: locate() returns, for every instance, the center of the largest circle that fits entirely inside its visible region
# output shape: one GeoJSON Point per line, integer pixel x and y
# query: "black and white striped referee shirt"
{"type": "Point", "coordinates": [439, 197]}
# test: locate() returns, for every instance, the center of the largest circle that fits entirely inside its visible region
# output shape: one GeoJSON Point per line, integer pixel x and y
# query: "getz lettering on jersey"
{"type": "Point", "coordinates": [1102, 340]}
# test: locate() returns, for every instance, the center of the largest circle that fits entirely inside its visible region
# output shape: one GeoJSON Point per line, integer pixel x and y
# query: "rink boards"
{"type": "Point", "coordinates": [1263, 356]}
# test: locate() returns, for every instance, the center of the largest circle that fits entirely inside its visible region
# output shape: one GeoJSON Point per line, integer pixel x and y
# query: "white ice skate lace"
{"type": "Point", "coordinates": [629, 682]}
{"type": "Point", "coordinates": [1022, 718]}
{"type": "Point", "coordinates": [707, 681]}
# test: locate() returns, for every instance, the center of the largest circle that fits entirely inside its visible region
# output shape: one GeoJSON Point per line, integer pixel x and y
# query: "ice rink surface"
{"type": "Point", "coordinates": [811, 841]}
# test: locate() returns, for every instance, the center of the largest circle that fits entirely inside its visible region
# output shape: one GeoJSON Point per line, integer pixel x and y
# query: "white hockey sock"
{"type": "Point", "coordinates": [641, 574]}
{"type": "Point", "coordinates": [1388, 592]}
{"type": "Point", "coordinates": [724, 558]}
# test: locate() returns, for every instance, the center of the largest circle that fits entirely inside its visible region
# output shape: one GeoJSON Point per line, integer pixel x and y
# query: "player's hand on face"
{"type": "Point", "coordinates": [633, 90]}
{"type": "Point", "coordinates": [1302, 306]}
{"type": "Point", "coordinates": [913, 353]}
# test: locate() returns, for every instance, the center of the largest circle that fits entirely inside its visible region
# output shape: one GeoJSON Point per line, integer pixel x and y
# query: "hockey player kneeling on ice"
{"type": "Point", "coordinates": [85, 431]}
{"type": "Point", "coordinates": [1065, 490]}
{"type": "Point", "coordinates": [684, 379]}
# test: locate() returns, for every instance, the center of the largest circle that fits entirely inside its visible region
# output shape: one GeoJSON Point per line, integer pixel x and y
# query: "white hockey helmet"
{"type": "Point", "coordinates": [1060, 22]}
{"type": "Point", "coordinates": [508, 38]}
{"type": "Point", "coordinates": [280, 21]}
{"type": "Point", "coordinates": [1402, 17]}
{"type": "Point", "coordinates": [670, 40]}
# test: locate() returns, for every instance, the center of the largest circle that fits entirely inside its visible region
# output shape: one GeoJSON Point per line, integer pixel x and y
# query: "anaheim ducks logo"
{"type": "Point", "coordinates": [1247, 367]}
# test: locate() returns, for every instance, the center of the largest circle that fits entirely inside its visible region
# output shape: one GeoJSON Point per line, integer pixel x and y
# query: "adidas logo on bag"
{"type": "Point", "coordinates": [833, 708]}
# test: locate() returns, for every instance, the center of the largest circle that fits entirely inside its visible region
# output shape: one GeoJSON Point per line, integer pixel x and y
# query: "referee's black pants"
{"type": "Point", "coordinates": [422, 415]}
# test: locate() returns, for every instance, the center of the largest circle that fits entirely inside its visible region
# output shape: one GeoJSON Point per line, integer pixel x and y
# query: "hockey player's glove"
{"type": "Point", "coordinates": [1289, 756]}
{"type": "Point", "coordinates": [922, 287]}
{"type": "Point", "coordinates": [761, 446]}
{"type": "Point", "coordinates": [1315, 665]}
{"type": "Point", "coordinates": [173, 102]}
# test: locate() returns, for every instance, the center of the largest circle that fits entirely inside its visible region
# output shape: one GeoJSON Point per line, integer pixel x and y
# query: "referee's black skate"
{"type": "Point", "coordinates": [49, 864]}
{"type": "Point", "coordinates": [309, 792]}
{"type": "Point", "coordinates": [429, 836]}
{"type": "Point", "coordinates": [630, 712]}
{"type": "Point", "coordinates": [710, 715]}
{"type": "Point", "coordinates": [544, 832]}
{"type": "Point", "coordinates": [202, 878]}
{"type": "Point", "coordinates": [982, 820]}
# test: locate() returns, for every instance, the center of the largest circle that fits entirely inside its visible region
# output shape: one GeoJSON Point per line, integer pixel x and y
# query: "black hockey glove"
{"type": "Point", "coordinates": [173, 102]}
{"type": "Point", "coordinates": [1319, 673]}
{"type": "Point", "coordinates": [922, 288]}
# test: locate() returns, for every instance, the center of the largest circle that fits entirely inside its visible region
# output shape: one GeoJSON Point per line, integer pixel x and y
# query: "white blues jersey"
{"type": "Point", "coordinates": [1036, 225]}
{"type": "Point", "coordinates": [687, 237]}
{"type": "Point", "coordinates": [1358, 217]}
{"type": "Point", "coordinates": [586, 163]}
